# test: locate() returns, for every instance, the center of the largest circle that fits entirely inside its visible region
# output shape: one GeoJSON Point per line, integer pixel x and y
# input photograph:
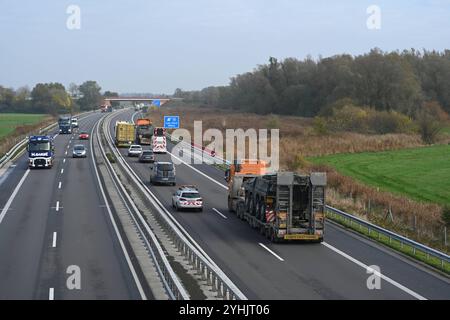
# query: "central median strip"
{"type": "Point", "coordinates": [207, 271]}
{"type": "Point", "coordinates": [114, 224]}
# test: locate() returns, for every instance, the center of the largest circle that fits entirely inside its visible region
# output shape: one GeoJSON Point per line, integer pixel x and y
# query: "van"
{"type": "Point", "coordinates": [163, 173]}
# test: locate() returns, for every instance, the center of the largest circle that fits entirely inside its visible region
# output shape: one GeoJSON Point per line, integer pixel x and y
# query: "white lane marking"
{"type": "Point", "coordinates": [220, 213]}
{"type": "Point", "coordinates": [54, 240]}
{"type": "Point", "coordinates": [68, 146]}
{"type": "Point", "coordinates": [51, 294]}
{"type": "Point", "coordinates": [59, 185]}
{"type": "Point", "coordinates": [382, 276]}
{"type": "Point", "coordinates": [62, 171]}
{"type": "Point", "coordinates": [113, 222]}
{"type": "Point", "coordinates": [271, 252]}
{"type": "Point", "coordinates": [64, 160]}
{"type": "Point", "coordinates": [13, 195]}
{"type": "Point", "coordinates": [57, 205]}
{"type": "Point", "coordinates": [66, 153]}
{"type": "Point", "coordinates": [198, 171]}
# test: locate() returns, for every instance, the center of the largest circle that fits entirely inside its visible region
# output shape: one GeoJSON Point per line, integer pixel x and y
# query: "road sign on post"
{"type": "Point", "coordinates": [156, 103]}
{"type": "Point", "coordinates": [171, 122]}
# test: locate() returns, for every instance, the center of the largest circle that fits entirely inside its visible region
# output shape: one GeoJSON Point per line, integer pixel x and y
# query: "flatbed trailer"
{"type": "Point", "coordinates": [285, 206]}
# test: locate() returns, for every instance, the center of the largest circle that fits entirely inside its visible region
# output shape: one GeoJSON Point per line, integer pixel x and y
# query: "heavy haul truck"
{"type": "Point", "coordinates": [283, 206]}
{"type": "Point", "coordinates": [124, 133]}
{"type": "Point", "coordinates": [144, 131]}
{"type": "Point", "coordinates": [238, 172]}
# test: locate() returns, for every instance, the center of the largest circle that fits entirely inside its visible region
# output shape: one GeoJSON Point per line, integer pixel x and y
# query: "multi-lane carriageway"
{"type": "Point", "coordinates": [53, 219]}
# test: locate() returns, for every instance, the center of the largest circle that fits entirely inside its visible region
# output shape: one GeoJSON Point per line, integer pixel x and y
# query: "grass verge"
{"type": "Point", "coordinates": [391, 243]}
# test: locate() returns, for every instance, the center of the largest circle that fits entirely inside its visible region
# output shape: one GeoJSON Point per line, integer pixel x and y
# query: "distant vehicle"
{"type": "Point", "coordinates": [144, 131]}
{"type": "Point", "coordinates": [79, 151]}
{"type": "Point", "coordinates": [134, 150]}
{"type": "Point", "coordinates": [147, 156]}
{"type": "Point", "coordinates": [125, 133]}
{"type": "Point", "coordinates": [163, 173]}
{"type": "Point", "coordinates": [74, 122]}
{"type": "Point", "coordinates": [83, 135]}
{"type": "Point", "coordinates": [65, 125]}
{"type": "Point", "coordinates": [187, 197]}
{"type": "Point", "coordinates": [105, 108]}
{"type": "Point", "coordinates": [41, 152]}
{"type": "Point", "coordinates": [159, 142]}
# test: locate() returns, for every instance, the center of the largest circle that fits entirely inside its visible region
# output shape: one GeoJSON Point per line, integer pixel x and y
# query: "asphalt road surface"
{"type": "Point", "coordinates": [57, 222]}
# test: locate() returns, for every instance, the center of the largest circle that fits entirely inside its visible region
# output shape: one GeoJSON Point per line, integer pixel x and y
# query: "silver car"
{"type": "Point", "coordinates": [187, 197]}
{"type": "Point", "coordinates": [79, 151]}
{"type": "Point", "coordinates": [135, 150]}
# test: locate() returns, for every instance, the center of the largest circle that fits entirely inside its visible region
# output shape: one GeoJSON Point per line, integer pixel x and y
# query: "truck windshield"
{"type": "Point", "coordinates": [39, 146]}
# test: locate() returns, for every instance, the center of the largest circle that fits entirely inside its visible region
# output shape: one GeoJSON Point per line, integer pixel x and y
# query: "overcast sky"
{"type": "Point", "coordinates": [157, 46]}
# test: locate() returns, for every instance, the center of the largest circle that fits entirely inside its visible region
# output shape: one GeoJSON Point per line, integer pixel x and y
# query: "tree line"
{"type": "Point", "coordinates": [53, 98]}
{"type": "Point", "coordinates": [384, 81]}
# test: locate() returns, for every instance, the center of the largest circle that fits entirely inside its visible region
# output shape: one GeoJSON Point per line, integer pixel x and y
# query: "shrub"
{"type": "Point", "coordinates": [320, 126]}
{"type": "Point", "coordinates": [446, 215]}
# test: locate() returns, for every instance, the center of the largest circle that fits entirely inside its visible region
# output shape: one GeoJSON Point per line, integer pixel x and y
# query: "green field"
{"type": "Point", "coordinates": [420, 173]}
{"type": "Point", "coordinates": [9, 121]}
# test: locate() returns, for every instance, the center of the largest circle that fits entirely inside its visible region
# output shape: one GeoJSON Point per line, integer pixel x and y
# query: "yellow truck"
{"type": "Point", "coordinates": [125, 133]}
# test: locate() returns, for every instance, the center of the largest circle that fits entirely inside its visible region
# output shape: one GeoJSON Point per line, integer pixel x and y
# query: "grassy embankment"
{"type": "Point", "coordinates": [13, 126]}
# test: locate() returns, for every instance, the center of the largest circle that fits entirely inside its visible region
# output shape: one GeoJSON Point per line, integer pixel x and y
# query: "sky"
{"type": "Point", "coordinates": [160, 45]}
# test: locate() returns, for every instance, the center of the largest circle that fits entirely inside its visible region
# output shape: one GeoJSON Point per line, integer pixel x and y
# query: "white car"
{"type": "Point", "coordinates": [74, 122]}
{"type": "Point", "coordinates": [187, 197]}
{"type": "Point", "coordinates": [134, 150]}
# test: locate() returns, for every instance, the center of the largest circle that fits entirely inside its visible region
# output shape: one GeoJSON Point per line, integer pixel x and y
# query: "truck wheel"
{"type": "Point", "coordinates": [273, 237]}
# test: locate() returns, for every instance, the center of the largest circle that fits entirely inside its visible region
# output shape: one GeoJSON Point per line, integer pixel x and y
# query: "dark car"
{"type": "Point", "coordinates": [163, 173]}
{"type": "Point", "coordinates": [147, 156]}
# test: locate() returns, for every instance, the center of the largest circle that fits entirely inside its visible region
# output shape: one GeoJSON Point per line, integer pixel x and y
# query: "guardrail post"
{"type": "Point", "coordinates": [219, 289]}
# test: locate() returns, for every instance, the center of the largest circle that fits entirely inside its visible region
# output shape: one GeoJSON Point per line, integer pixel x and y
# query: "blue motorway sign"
{"type": "Point", "coordinates": [171, 122]}
{"type": "Point", "coordinates": [156, 103]}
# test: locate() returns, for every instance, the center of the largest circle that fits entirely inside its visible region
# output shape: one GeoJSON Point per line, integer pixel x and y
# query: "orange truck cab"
{"type": "Point", "coordinates": [239, 172]}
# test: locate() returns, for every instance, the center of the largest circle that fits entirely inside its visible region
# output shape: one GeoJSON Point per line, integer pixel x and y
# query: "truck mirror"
{"type": "Point", "coordinates": [227, 175]}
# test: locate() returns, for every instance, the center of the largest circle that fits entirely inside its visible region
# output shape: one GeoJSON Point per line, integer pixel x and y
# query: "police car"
{"type": "Point", "coordinates": [187, 197]}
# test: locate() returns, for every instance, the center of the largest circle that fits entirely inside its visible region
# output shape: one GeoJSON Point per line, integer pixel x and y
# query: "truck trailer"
{"type": "Point", "coordinates": [285, 206]}
{"type": "Point", "coordinates": [124, 133]}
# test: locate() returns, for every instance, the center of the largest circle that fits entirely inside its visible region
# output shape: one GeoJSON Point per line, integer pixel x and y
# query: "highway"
{"type": "Point", "coordinates": [54, 221]}
{"type": "Point", "coordinates": [335, 269]}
